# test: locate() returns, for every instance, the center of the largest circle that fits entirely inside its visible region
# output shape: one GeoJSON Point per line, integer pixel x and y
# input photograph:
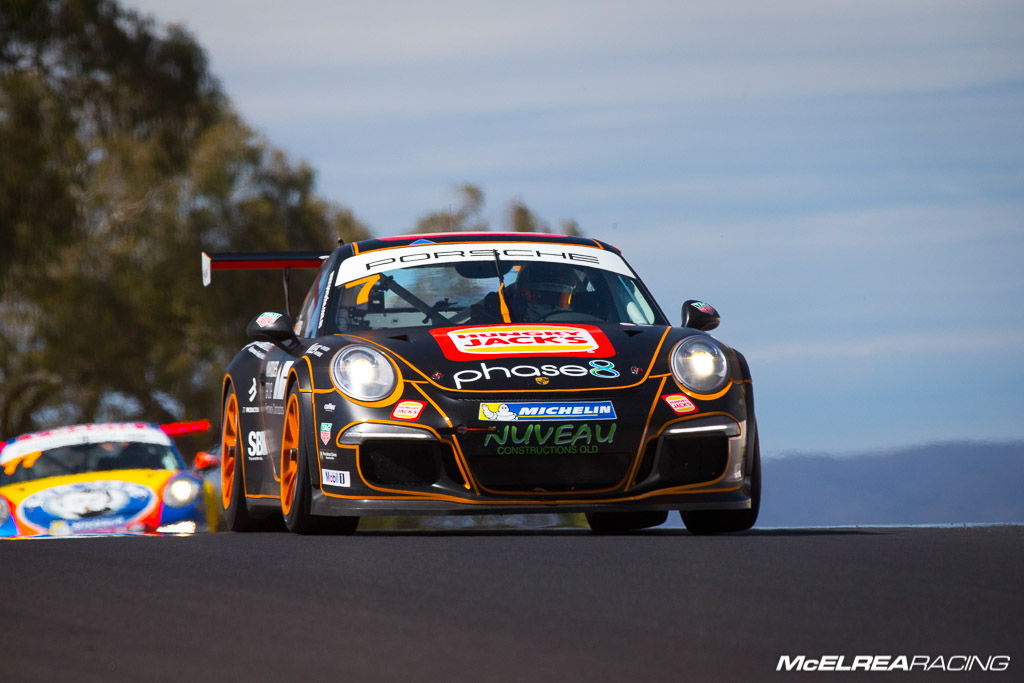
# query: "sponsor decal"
{"type": "Point", "coordinates": [328, 455]}
{"type": "Point", "coordinates": [257, 447]}
{"type": "Point", "coordinates": [317, 350]}
{"type": "Point", "coordinates": [325, 432]}
{"type": "Point", "coordinates": [281, 383]}
{"type": "Point", "coordinates": [545, 412]}
{"type": "Point", "coordinates": [335, 477]}
{"type": "Point", "coordinates": [323, 308]}
{"type": "Point", "coordinates": [408, 410]}
{"type": "Point", "coordinates": [252, 391]}
{"type": "Point", "coordinates": [538, 439]}
{"type": "Point", "coordinates": [267, 319]}
{"type": "Point", "coordinates": [511, 341]}
{"type": "Point", "coordinates": [703, 307]}
{"type": "Point", "coordinates": [603, 369]}
{"type": "Point", "coordinates": [256, 351]}
{"type": "Point", "coordinates": [329, 407]}
{"type": "Point", "coordinates": [887, 663]}
{"type": "Point", "coordinates": [250, 409]}
{"type": "Point", "coordinates": [87, 506]}
{"type": "Point", "coordinates": [680, 403]}
{"type": "Point", "coordinates": [59, 527]}
{"type": "Point", "coordinates": [542, 380]}
{"type": "Point", "coordinates": [379, 261]}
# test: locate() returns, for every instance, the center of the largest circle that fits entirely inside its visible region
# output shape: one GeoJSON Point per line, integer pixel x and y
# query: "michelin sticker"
{"type": "Point", "coordinates": [542, 412]}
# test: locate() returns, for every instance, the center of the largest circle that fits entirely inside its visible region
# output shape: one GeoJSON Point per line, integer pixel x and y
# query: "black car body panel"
{"type": "Point", "coordinates": [568, 413]}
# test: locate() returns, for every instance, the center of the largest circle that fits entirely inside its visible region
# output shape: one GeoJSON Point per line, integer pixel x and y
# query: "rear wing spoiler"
{"type": "Point", "coordinates": [263, 260]}
{"type": "Point", "coordinates": [185, 428]}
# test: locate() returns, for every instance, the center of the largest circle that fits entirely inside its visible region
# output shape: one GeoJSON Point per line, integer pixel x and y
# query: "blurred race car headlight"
{"type": "Point", "coordinates": [363, 373]}
{"type": "Point", "coordinates": [181, 492]}
{"type": "Point", "coordinates": [699, 364]}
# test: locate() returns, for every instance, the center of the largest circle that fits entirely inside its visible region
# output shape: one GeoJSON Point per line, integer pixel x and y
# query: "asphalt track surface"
{"type": "Point", "coordinates": [561, 605]}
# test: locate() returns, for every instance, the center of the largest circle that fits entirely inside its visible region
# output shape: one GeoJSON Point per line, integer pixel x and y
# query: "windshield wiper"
{"type": "Point", "coordinates": [501, 289]}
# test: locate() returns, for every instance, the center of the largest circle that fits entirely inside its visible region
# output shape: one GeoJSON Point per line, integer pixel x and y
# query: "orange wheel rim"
{"type": "Point", "coordinates": [289, 453]}
{"type": "Point", "coordinates": [229, 450]}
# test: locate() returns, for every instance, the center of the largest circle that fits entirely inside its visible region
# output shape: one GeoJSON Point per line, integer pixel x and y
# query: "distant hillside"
{"type": "Point", "coordinates": [948, 483]}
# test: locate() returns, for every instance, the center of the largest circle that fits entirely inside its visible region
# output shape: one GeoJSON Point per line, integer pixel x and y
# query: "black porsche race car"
{"type": "Point", "coordinates": [484, 373]}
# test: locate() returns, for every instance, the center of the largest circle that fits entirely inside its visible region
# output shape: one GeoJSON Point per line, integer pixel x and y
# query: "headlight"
{"type": "Point", "coordinates": [363, 373]}
{"type": "Point", "coordinates": [699, 364]}
{"type": "Point", "coordinates": [181, 492]}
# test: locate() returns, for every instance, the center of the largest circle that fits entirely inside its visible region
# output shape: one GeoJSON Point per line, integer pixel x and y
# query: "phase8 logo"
{"type": "Point", "coordinates": [603, 368]}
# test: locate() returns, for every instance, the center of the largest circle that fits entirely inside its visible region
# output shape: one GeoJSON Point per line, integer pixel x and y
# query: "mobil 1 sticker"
{"type": "Point", "coordinates": [335, 477]}
{"type": "Point", "coordinates": [560, 411]}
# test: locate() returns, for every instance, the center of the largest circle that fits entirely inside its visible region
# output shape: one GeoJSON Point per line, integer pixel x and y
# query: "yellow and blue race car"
{"type": "Point", "coordinates": [101, 479]}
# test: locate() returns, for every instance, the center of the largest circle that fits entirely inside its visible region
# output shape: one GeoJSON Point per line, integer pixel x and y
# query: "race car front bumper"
{"type": "Point", "coordinates": [698, 464]}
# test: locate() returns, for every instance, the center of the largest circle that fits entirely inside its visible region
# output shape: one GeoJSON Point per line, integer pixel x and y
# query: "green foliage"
{"type": "Point", "coordinates": [468, 217]}
{"type": "Point", "coordinates": [465, 218]}
{"type": "Point", "coordinates": [122, 162]}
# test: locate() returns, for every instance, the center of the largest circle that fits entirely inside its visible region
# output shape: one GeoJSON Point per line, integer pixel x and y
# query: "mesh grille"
{"type": "Point", "coordinates": [550, 472]}
{"type": "Point", "coordinates": [407, 464]}
{"type": "Point", "coordinates": [692, 459]}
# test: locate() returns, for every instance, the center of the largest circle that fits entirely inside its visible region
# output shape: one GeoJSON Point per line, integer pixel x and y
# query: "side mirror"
{"type": "Point", "coordinates": [274, 327]}
{"type": "Point", "coordinates": [700, 315]}
{"type": "Point", "coordinates": [205, 460]}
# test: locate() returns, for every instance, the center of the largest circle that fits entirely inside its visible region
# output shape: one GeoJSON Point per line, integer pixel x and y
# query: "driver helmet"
{"type": "Point", "coordinates": [547, 287]}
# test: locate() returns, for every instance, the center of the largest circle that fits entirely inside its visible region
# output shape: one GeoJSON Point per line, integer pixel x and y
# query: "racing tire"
{"type": "Point", "coordinates": [296, 487]}
{"type": "Point", "coordinates": [623, 522]}
{"type": "Point", "coordinates": [709, 522]}
{"type": "Point", "coordinates": [237, 516]}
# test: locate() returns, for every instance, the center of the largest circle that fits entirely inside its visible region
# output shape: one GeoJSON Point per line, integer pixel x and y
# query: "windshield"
{"type": "Point", "coordinates": [490, 291]}
{"type": "Point", "coordinates": [90, 457]}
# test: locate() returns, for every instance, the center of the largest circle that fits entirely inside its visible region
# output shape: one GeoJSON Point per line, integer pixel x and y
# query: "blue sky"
{"type": "Point", "coordinates": [843, 180]}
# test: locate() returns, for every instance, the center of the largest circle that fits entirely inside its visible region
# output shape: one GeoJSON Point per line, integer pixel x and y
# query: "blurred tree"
{"type": "Point", "coordinates": [122, 160]}
{"type": "Point", "coordinates": [570, 227]}
{"type": "Point", "coordinates": [467, 217]}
